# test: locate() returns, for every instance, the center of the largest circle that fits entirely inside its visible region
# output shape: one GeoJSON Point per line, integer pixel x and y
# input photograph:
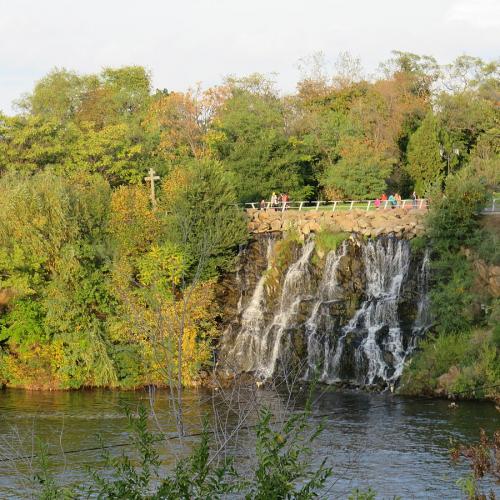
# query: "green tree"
{"type": "Point", "coordinates": [360, 174]}
{"type": "Point", "coordinates": [117, 95]}
{"type": "Point", "coordinates": [250, 139]}
{"type": "Point", "coordinates": [57, 96]}
{"type": "Point", "coordinates": [54, 258]}
{"type": "Point", "coordinates": [202, 216]}
{"type": "Point", "coordinates": [32, 143]}
{"type": "Point", "coordinates": [425, 165]}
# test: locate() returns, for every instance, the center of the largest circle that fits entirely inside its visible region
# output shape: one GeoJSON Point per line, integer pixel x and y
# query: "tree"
{"type": "Point", "coordinates": [111, 151]}
{"type": "Point", "coordinates": [249, 137]}
{"type": "Point", "coordinates": [360, 174]}
{"type": "Point", "coordinates": [116, 95]}
{"type": "Point", "coordinates": [422, 70]}
{"type": "Point", "coordinates": [425, 165]}
{"type": "Point", "coordinates": [54, 258]}
{"type": "Point", "coordinates": [183, 121]}
{"type": "Point", "coordinates": [32, 143]}
{"type": "Point", "coordinates": [202, 216]}
{"type": "Point", "coordinates": [57, 96]}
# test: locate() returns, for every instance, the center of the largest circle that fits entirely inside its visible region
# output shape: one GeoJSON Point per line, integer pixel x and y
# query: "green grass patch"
{"type": "Point", "coordinates": [327, 241]}
{"type": "Point", "coordinates": [419, 243]}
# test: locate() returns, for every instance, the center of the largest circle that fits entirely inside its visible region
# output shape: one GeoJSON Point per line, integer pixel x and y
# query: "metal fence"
{"type": "Point", "coordinates": [343, 205]}
{"type": "Point", "coordinates": [493, 208]}
{"type": "Point", "coordinates": [338, 205]}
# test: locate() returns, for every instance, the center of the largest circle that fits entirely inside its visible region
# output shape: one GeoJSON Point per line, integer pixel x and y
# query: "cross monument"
{"type": "Point", "coordinates": [152, 178]}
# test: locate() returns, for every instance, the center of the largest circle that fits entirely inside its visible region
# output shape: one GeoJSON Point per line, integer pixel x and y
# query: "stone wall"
{"type": "Point", "coordinates": [404, 223]}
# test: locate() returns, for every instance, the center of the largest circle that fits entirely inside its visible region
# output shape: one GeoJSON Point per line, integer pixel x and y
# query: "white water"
{"type": "Point", "coordinates": [318, 345]}
{"type": "Point", "coordinates": [295, 285]}
{"type": "Point", "coordinates": [386, 266]}
{"type": "Point", "coordinates": [423, 318]}
{"type": "Point", "coordinates": [369, 348]}
{"type": "Point", "coordinates": [246, 347]}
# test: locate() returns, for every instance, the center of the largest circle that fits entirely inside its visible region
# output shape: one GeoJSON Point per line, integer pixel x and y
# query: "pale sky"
{"type": "Point", "coordinates": [188, 41]}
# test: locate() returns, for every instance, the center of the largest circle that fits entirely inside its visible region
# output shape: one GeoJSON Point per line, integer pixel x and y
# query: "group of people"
{"type": "Point", "coordinates": [277, 201]}
{"type": "Point", "coordinates": [394, 200]}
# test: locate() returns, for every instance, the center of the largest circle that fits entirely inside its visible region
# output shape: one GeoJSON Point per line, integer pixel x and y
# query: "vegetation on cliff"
{"type": "Point", "coordinates": [462, 354]}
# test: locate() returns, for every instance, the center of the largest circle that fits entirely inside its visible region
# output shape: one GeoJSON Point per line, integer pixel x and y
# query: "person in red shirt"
{"type": "Point", "coordinates": [384, 197]}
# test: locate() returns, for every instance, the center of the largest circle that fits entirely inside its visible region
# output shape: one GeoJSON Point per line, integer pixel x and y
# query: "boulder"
{"type": "Point", "coordinates": [276, 225]}
{"type": "Point", "coordinates": [314, 226]}
{"type": "Point", "coordinates": [363, 222]}
{"type": "Point", "coordinates": [264, 215]}
{"type": "Point", "coordinates": [311, 215]}
{"type": "Point", "coordinates": [494, 285]}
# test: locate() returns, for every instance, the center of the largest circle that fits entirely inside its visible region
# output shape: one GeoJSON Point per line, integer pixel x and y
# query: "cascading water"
{"type": "Point", "coordinates": [296, 284]}
{"type": "Point", "coordinates": [386, 266]}
{"type": "Point", "coordinates": [318, 343]}
{"type": "Point", "coordinates": [423, 318]}
{"type": "Point", "coordinates": [245, 352]}
{"type": "Point", "coordinates": [356, 311]}
{"type": "Point", "coordinates": [257, 344]}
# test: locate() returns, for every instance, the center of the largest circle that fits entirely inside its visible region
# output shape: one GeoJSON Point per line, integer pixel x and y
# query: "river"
{"type": "Point", "coordinates": [397, 446]}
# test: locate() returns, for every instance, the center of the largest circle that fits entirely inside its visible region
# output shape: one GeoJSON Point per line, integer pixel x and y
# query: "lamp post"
{"type": "Point", "coordinates": [448, 155]}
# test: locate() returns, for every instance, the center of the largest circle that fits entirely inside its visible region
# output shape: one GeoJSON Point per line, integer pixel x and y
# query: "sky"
{"type": "Point", "coordinates": [184, 42]}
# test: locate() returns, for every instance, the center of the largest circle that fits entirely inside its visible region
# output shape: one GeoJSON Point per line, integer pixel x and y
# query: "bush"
{"type": "Point", "coordinates": [466, 364]}
{"type": "Point", "coordinates": [282, 468]}
{"type": "Point", "coordinates": [462, 357]}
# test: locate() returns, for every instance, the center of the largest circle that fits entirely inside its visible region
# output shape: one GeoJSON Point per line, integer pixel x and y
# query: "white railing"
{"type": "Point", "coordinates": [493, 208]}
{"type": "Point", "coordinates": [338, 205]}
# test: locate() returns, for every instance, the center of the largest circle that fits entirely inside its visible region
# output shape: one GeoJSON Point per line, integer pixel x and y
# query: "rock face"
{"type": "Point", "coordinates": [404, 223]}
{"type": "Point", "coordinates": [350, 315]}
{"type": "Point", "coordinates": [487, 277]}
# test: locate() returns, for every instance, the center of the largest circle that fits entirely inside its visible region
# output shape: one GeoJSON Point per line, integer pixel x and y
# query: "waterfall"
{"type": "Point", "coordinates": [357, 312]}
{"type": "Point", "coordinates": [423, 318]}
{"type": "Point", "coordinates": [245, 351]}
{"type": "Point", "coordinates": [295, 285]}
{"type": "Point", "coordinates": [386, 263]}
{"type": "Point", "coordinates": [318, 345]}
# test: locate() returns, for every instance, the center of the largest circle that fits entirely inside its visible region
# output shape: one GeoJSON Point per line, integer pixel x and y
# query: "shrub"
{"type": "Point", "coordinates": [466, 364]}
{"type": "Point", "coordinates": [282, 468]}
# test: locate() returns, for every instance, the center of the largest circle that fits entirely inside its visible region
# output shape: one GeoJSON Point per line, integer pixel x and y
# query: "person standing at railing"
{"type": "Point", "coordinates": [414, 199]}
{"type": "Point", "coordinates": [284, 200]}
{"type": "Point", "coordinates": [392, 201]}
{"type": "Point", "coordinates": [377, 203]}
{"type": "Point", "coordinates": [397, 197]}
{"type": "Point", "coordinates": [274, 200]}
{"type": "Point", "coordinates": [262, 204]}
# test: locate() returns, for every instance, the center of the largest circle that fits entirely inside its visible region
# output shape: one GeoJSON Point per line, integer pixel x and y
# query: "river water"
{"type": "Point", "coordinates": [397, 446]}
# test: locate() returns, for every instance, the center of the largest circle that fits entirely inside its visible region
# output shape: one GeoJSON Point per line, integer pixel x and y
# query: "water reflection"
{"type": "Point", "coordinates": [397, 446]}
